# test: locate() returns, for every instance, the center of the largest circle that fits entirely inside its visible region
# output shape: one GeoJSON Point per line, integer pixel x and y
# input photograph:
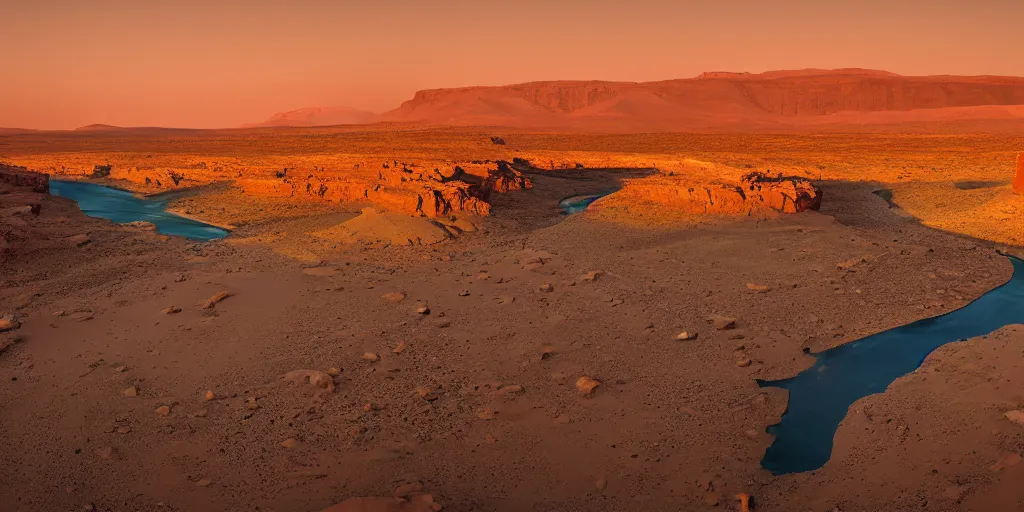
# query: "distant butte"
{"type": "Point", "coordinates": [712, 101]}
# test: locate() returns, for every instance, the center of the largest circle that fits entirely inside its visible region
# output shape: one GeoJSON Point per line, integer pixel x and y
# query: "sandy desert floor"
{"type": "Point", "coordinates": [103, 396]}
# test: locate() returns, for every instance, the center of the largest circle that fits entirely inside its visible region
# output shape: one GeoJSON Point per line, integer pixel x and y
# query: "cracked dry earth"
{"type": "Point", "coordinates": [455, 368]}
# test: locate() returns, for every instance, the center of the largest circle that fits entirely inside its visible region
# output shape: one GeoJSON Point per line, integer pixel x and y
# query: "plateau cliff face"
{"type": "Point", "coordinates": [718, 100]}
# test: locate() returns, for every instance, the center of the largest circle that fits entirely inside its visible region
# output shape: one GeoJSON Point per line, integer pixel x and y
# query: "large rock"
{"type": "Point", "coordinates": [1018, 178]}
{"type": "Point", "coordinates": [784, 194]}
{"type": "Point", "coordinates": [22, 177]}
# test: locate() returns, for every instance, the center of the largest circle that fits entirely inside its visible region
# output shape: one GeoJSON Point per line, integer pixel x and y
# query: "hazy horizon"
{"type": "Point", "coordinates": [221, 64]}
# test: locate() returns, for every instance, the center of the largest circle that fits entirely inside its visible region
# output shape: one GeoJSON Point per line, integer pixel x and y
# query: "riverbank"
{"type": "Point", "coordinates": [475, 401]}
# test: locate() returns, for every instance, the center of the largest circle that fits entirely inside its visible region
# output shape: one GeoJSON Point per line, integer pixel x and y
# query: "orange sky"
{"type": "Point", "coordinates": [221, 63]}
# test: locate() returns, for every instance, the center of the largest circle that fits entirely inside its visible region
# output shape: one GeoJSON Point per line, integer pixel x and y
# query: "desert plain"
{"type": "Point", "coordinates": [404, 310]}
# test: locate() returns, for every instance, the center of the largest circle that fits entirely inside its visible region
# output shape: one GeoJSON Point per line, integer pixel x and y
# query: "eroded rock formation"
{"type": "Point", "coordinates": [401, 189]}
{"type": "Point", "coordinates": [754, 191]}
{"type": "Point", "coordinates": [784, 194]}
{"type": "Point", "coordinates": [22, 177]}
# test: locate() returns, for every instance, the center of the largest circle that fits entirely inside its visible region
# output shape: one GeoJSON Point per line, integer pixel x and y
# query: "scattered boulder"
{"type": "Point", "coordinates": [131, 392]}
{"type": "Point", "coordinates": [686, 336]}
{"type": "Point", "coordinates": [722, 323]}
{"type": "Point", "coordinates": [592, 275]}
{"type": "Point", "coordinates": [212, 301]}
{"type": "Point", "coordinates": [209, 396]}
{"type": "Point", "coordinates": [1016, 416]}
{"type": "Point", "coordinates": [759, 288]}
{"type": "Point", "coordinates": [546, 287]}
{"type": "Point", "coordinates": [586, 385]}
{"type": "Point", "coordinates": [163, 410]}
{"type": "Point", "coordinates": [290, 443]}
{"type": "Point", "coordinates": [78, 240]}
{"type": "Point", "coordinates": [498, 141]}
{"type": "Point", "coordinates": [371, 357]}
{"type": "Point", "coordinates": [8, 324]}
{"type": "Point", "coordinates": [315, 377]}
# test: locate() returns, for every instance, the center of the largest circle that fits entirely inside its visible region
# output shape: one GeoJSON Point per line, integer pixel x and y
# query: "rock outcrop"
{"type": "Point", "coordinates": [22, 177]}
{"type": "Point", "coordinates": [784, 194]}
{"type": "Point", "coordinates": [754, 192]}
{"type": "Point", "coordinates": [407, 190]}
{"type": "Point", "coordinates": [1018, 178]}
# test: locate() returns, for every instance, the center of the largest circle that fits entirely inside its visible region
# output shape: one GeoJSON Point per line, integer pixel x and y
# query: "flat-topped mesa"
{"type": "Point", "coordinates": [400, 189]}
{"type": "Point", "coordinates": [22, 177]}
{"type": "Point", "coordinates": [754, 192]}
{"type": "Point", "coordinates": [1018, 178]}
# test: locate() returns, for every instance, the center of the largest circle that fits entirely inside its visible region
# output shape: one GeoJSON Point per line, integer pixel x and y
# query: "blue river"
{"type": "Point", "coordinates": [820, 396]}
{"type": "Point", "coordinates": [121, 206]}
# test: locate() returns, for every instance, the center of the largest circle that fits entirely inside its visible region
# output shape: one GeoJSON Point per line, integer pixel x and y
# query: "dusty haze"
{"type": "Point", "coordinates": [219, 64]}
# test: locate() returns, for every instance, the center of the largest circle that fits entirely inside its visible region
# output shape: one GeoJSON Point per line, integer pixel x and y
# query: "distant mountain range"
{"type": "Point", "coordinates": [712, 101]}
{"type": "Point", "coordinates": [318, 116]}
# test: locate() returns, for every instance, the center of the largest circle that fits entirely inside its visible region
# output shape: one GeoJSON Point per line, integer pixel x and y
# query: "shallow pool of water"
{"type": "Point", "coordinates": [123, 206]}
{"type": "Point", "coordinates": [820, 396]}
{"type": "Point", "coordinates": [576, 204]}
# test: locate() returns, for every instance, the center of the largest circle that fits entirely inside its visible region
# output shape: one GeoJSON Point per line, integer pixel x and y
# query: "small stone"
{"type": "Point", "coordinates": [751, 433]}
{"type": "Point", "coordinates": [600, 484]}
{"type": "Point", "coordinates": [424, 310]}
{"type": "Point", "coordinates": [371, 357]}
{"type": "Point", "coordinates": [546, 287]}
{"type": "Point", "coordinates": [483, 276]}
{"type": "Point", "coordinates": [399, 348]}
{"type": "Point", "coordinates": [201, 413]}
{"type": "Point", "coordinates": [592, 275]}
{"type": "Point", "coordinates": [209, 396]}
{"type": "Point", "coordinates": [171, 310]}
{"type": "Point", "coordinates": [393, 296]}
{"type": "Point", "coordinates": [743, 363]}
{"type": "Point", "coordinates": [443, 324]}
{"type": "Point", "coordinates": [464, 293]}
{"type": "Point", "coordinates": [407, 489]}
{"type": "Point", "coordinates": [334, 372]}
{"type": "Point", "coordinates": [722, 323]}
{"type": "Point", "coordinates": [105, 452]}
{"type": "Point", "coordinates": [290, 443]}
{"type": "Point", "coordinates": [163, 410]}
{"type": "Point", "coordinates": [486, 414]}
{"type": "Point", "coordinates": [212, 301]}
{"type": "Point", "coordinates": [490, 439]}
{"type": "Point", "coordinates": [1006, 461]}
{"type": "Point", "coordinates": [510, 389]}
{"type": "Point", "coordinates": [79, 240]}
{"type": "Point", "coordinates": [759, 288]}
{"type": "Point", "coordinates": [6, 324]}
{"type": "Point", "coordinates": [712, 499]}
{"type": "Point", "coordinates": [546, 352]}
{"type": "Point", "coordinates": [586, 385]}
{"type": "Point", "coordinates": [1015, 416]}
{"type": "Point", "coordinates": [123, 430]}
{"type": "Point", "coordinates": [131, 391]}
{"type": "Point", "coordinates": [562, 419]}
{"type": "Point", "coordinates": [686, 335]}
{"type": "Point", "coordinates": [206, 482]}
